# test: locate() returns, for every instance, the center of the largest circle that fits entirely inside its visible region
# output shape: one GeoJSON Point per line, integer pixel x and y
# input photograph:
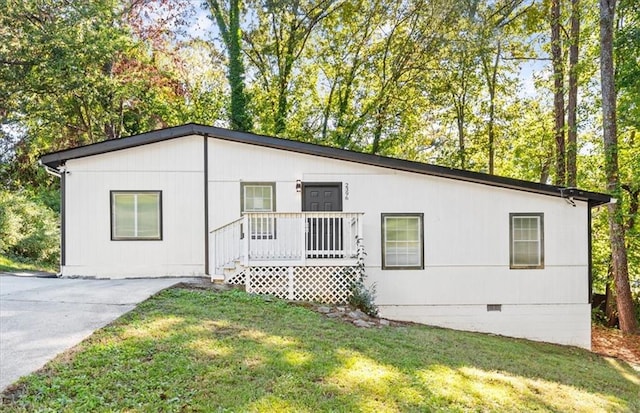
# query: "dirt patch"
{"type": "Point", "coordinates": [611, 342]}
{"type": "Point", "coordinates": [204, 283]}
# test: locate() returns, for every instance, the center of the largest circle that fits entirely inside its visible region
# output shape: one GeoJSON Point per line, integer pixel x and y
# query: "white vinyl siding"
{"type": "Point", "coordinates": [136, 215]}
{"type": "Point", "coordinates": [402, 241]}
{"type": "Point", "coordinates": [527, 249]}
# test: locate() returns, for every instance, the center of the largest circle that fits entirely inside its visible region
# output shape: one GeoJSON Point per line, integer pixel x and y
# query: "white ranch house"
{"type": "Point", "coordinates": [445, 247]}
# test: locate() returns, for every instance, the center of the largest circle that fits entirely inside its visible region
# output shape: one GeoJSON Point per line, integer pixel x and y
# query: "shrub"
{"type": "Point", "coordinates": [363, 298]}
{"type": "Point", "coordinates": [29, 229]}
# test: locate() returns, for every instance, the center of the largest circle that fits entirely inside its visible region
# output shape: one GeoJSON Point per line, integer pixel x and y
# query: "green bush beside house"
{"type": "Point", "coordinates": [29, 230]}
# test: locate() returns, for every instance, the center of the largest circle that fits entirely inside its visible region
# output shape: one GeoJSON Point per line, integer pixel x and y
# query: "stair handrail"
{"type": "Point", "coordinates": [227, 244]}
{"type": "Point", "coordinates": [226, 225]}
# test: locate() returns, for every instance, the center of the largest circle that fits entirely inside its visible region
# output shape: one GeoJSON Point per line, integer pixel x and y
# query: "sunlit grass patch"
{"type": "Point", "coordinates": [471, 386]}
{"type": "Point", "coordinates": [210, 348]}
{"type": "Point", "coordinates": [10, 264]}
{"type": "Point", "coordinates": [204, 351]}
{"type": "Point", "coordinates": [622, 368]}
{"type": "Point", "coordinates": [297, 358]}
{"type": "Point", "coordinates": [360, 372]}
{"type": "Point", "coordinates": [157, 328]}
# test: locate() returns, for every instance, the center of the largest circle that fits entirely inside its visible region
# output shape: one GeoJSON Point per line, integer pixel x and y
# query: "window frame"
{"type": "Point", "coordinates": [540, 217]}
{"type": "Point", "coordinates": [420, 217]}
{"type": "Point", "coordinates": [265, 235]}
{"type": "Point", "coordinates": [112, 197]}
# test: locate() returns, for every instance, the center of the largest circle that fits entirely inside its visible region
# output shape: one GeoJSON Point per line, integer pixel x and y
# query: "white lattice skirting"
{"type": "Point", "coordinates": [319, 284]}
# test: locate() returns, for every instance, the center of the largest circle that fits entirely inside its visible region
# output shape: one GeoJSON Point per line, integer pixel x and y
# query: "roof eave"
{"type": "Point", "coordinates": [56, 159]}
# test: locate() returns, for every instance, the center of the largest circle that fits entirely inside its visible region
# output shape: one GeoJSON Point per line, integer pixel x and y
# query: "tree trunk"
{"type": "Point", "coordinates": [461, 139]}
{"type": "Point", "coordinates": [610, 305]}
{"type": "Point", "coordinates": [558, 92]}
{"type": "Point", "coordinates": [624, 301]}
{"type": "Point", "coordinates": [491, 74]}
{"type": "Point", "coordinates": [572, 105]}
{"type": "Point", "coordinates": [545, 170]}
{"type": "Point", "coordinates": [231, 35]}
{"type": "Point", "coordinates": [239, 117]}
{"type": "Point", "coordinates": [460, 103]}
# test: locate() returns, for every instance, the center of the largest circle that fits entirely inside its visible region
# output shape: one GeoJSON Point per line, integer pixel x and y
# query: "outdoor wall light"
{"type": "Point", "coordinates": [298, 186]}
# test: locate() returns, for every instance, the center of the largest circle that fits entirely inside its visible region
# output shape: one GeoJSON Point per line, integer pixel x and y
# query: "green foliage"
{"type": "Point", "coordinates": [28, 229]}
{"type": "Point", "coordinates": [627, 56]}
{"type": "Point", "coordinates": [14, 264]}
{"type": "Point", "coordinates": [228, 18]}
{"type": "Point", "coordinates": [73, 73]}
{"type": "Point", "coordinates": [186, 350]}
{"type": "Point", "coordinates": [598, 316]}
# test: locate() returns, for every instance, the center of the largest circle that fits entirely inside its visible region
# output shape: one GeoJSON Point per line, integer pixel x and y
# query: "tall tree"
{"type": "Point", "coordinates": [276, 45]}
{"type": "Point", "coordinates": [373, 69]}
{"type": "Point", "coordinates": [628, 322]}
{"type": "Point", "coordinates": [494, 22]}
{"type": "Point", "coordinates": [73, 73]}
{"type": "Point", "coordinates": [228, 22]}
{"type": "Point", "coordinates": [572, 105]}
{"type": "Point", "coordinates": [490, 72]}
{"type": "Point", "coordinates": [558, 91]}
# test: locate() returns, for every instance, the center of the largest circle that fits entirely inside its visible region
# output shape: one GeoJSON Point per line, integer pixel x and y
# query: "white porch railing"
{"type": "Point", "coordinates": [287, 238]}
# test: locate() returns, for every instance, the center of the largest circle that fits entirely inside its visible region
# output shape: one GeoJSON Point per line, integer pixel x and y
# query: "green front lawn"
{"type": "Point", "coordinates": [188, 350]}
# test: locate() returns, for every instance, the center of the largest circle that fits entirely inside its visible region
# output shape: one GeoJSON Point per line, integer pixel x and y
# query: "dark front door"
{"type": "Point", "coordinates": [324, 234]}
{"type": "Point", "coordinates": [322, 197]}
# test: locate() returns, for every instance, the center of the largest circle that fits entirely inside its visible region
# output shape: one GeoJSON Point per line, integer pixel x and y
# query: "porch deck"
{"type": "Point", "coordinates": [293, 255]}
{"type": "Point", "coordinates": [288, 239]}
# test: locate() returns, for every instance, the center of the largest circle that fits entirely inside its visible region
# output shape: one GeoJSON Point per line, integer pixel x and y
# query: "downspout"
{"type": "Point", "coordinates": [590, 244]}
{"type": "Point", "coordinates": [590, 253]}
{"type": "Point", "coordinates": [206, 204]}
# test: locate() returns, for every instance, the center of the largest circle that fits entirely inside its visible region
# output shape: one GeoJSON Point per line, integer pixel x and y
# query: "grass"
{"type": "Point", "coordinates": [192, 350]}
{"type": "Point", "coordinates": [9, 264]}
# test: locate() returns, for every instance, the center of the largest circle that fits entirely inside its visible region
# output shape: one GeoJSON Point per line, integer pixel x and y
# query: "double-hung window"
{"type": "Point", "coordinates": [259, 197]}
{"type": "Point", "coordinates": [527, 240]}
{"type": "Point", "coordinates": [136, 215]}
{"type": "Point", "coordinates": [402, 241]}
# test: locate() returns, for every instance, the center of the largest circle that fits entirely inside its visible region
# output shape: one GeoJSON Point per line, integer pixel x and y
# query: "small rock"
{"type": "Point", "coordinates": [361, 323]}
{"type": "Point", "coordinates": [357, 314]}
{"type": "Point", "coordinates": [383, 322]}
{"type": "Point", "coordinates": [341, 309]}
{"type": "Point", "coordinates": [333, 315]}
{"type": "Point", "coordinates": [324, 310]}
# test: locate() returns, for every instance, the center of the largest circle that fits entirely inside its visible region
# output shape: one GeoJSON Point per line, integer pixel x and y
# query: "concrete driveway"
{"type": "Point", "coordinates": [42, 317]}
